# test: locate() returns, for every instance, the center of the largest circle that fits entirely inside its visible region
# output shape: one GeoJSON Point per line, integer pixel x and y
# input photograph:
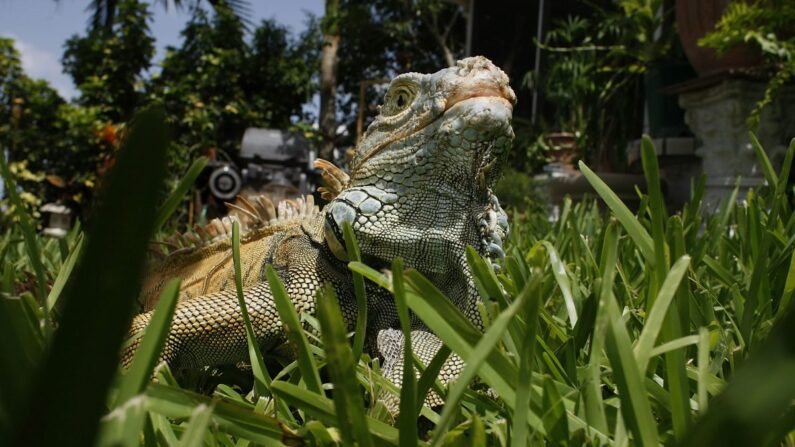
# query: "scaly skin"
{"type": "Point", "coordinates": [420, 188]}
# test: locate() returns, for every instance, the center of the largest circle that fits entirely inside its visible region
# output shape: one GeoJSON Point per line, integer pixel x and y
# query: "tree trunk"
{"type": "Point", "coordinates": [328, 80]}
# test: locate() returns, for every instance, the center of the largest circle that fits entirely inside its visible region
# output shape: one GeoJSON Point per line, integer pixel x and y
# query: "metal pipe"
{"type": "Point", "coordinates": [470, 20]}
{"type": "Point", "coordinates": [537, 67]}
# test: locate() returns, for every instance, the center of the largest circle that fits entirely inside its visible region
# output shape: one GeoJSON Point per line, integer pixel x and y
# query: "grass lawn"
{"type": "Point", "coordinates": [606, 327]}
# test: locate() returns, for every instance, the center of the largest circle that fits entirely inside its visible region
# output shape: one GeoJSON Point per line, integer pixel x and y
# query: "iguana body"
{"type": "Point", "coordinates": [419, 188]}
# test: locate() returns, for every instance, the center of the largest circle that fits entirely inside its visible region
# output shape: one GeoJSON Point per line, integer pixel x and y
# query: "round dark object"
{"type": "Point", "coordinates": [225, 183]}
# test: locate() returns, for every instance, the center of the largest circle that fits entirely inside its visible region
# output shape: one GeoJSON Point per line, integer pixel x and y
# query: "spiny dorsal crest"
{"type": "Point", "coordinates": [335, 178]}
{"type": "Point", "coordinates": [252, 213]}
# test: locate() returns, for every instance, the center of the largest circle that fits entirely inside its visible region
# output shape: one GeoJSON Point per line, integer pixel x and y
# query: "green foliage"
{"type": "Point", "coordinates": [379, 39]}
{"type": "Point", "coordinates": [47, 138]}
{"type": "Point", "coordinates": [517, 189]}
{"type": "Point", "coordinates": [108, 63]}
{"type": "Point", "coordinates": [216, 84]}
{"type": "Point", "coordinates": [79, 362]}
{"type": "Point", "coordinates": [603, 329]}
{"type": "Point", "coordinates": [767, 25]}
{"type": "Point", "coordinates": [104, 12]}
{"type": "Point", "coordinates": [593, 72]}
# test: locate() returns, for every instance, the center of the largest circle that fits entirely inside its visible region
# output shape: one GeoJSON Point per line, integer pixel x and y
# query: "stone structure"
{"type": "Point", "coordinates": [716, 111]}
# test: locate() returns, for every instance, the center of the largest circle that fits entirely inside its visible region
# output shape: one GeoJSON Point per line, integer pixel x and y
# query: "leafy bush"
{"type": "Point", "coordinates": [518, 190]}
{"type": "Point", "coordinates": [593, 73]}
{"type": "Point", "coordinates": [767, 25]}
{"type": "Point", "coordinates": [603, 330]}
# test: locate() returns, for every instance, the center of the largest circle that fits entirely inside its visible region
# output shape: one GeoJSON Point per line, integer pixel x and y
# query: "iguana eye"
{"type": "Point", "coordinates": [398, 99]}
{"type": "Point", "coordinates": [402, 100]}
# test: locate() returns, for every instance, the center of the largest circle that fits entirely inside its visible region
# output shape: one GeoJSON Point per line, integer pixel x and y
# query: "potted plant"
{"type": "Point", "coordinates": [767, 29]}
{"type": "Point", "coordinates": [567, 85]}
{"type": "Point", "coordinates": [593, 78]}
{"type": "Point", "coordinates": [694, 20]}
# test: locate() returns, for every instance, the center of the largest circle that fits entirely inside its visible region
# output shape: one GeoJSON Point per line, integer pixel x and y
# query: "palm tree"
{"type": "Point", "coordinates": [103, 11]}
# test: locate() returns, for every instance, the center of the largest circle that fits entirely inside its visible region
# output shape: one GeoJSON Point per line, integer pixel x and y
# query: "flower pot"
{"type": "Point", "coordinates": [563, 149]}
{"type": "Point", "coordinates": [696, 18]}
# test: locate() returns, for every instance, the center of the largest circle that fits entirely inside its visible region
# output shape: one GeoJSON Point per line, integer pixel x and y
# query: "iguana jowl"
{"type": "Point", "coordinates": [419, 188]}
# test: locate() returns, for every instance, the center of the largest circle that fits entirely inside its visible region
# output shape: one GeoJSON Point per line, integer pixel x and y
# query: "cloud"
{"type": "Point", "coordinates": [42, 64]}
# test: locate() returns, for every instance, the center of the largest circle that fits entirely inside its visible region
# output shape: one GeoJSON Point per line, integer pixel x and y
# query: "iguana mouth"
{"type": "Point", "coordinates": [487, 91]}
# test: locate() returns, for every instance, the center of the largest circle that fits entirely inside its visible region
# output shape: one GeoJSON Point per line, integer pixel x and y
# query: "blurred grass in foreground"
{"type": "Point", "coordinates": [617, 329]}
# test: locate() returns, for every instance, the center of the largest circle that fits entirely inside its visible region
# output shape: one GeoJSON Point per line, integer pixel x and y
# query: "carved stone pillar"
{"type": "Point", "coordinates": [716, 112]}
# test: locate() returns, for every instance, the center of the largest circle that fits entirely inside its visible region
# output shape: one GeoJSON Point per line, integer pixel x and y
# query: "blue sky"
{"type": "Point", "coordinates": [40, 27]}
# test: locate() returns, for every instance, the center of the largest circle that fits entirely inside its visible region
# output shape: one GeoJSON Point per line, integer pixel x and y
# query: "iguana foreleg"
{"type": "Point", "coordinates": [425, 346]}
{"type": "Point", "coordinates": [209, 330]}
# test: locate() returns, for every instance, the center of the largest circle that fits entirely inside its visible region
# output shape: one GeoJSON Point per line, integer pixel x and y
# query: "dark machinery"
{"type": "Point", "coordinates": [271, 161]}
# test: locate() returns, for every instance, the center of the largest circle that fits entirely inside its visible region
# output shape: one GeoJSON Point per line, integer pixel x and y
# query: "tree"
{"type": "Point", "coordinates": [381, 38]}
{"type": "Point", "coordinates": [280, 72]}
{"type": "Point", "coordinates": [328, 78]}
{"type": "Point", "coordinates": [53, 147]}
{"type": "Point", "coordinates": [216, 84]}
{"type": "Point", "coordinates": [107, 63]}
{"type": "Point", "coordinates": [103, 12]}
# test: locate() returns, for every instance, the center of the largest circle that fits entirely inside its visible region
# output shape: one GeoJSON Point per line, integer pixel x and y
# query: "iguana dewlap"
{"type": "Point", "coordinates": [419, 188]}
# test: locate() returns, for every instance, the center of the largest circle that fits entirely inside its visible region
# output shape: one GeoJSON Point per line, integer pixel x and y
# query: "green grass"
{"type": "Point", "coordinates": [606, 327]}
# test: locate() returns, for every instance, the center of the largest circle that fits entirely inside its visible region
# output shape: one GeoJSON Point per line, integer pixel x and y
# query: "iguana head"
{"type": "Point", "coordinates": [423, 171]}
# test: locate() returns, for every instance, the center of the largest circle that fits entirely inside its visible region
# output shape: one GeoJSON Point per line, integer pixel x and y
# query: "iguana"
{"type": "Point", "coordinates": [420, 188]}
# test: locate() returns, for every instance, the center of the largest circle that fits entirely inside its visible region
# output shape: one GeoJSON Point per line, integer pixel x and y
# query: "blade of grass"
{"type": "Point", "coordinates": [789, 289]}
{"type": "Point", "coordinates": [231, 417]}
{"type": "Point", "coordinates": [295, 332]}
{"type": "Point", "coordinates": [673, 329]}
{"type": "Point", "coordinates": [323, 409]}
{"type": "Point", "coordinates": [479, 354]}
{"type": "Point", "coordinates": [372, 274]}
{"type": "Point", "coordinates": [135, 379]}
{"type": "Point", "coordinates": [430, 375]}
{"type": "Point", "coordinates": [477, 432]}
{"type": "Point", "coordinates": [262, 379]}
{"type": "Point", "coordinates": [631, 224]}
{"type": "Point", "coordinates": [673, 345]}
{"type": "Point", "coordinates": [163, 431]}
{"type": "Point", "coordinates": [703, 368]}
{"type": "Point", "coordinates": [755, 403]}
{"type": "Point", "coordinates": [719, 271]}
{"type": "Point", "coordinates": [658, 216]}
{"type": "Point", "coordinates": [485, 278]}
{"type": "Point", "coordinates": [170, 205]}
{"type": "Point", "coordinates": [555, 412]}
{"type": "Point", "coordinates": [321, 434]}
{"type": "Point", "coordinates": [20, 353]}
{"type": "Point", "coordinates": [347, 399]}
{"type": "Point", "coordinates": [654, 322]}
{"type": "Point", "coordinates": [29, 234]}
{"type": "Point", "coordinates": [635, 406]}
{"type": "Point", "coordinates": [64, 273]}
{"type": "Point", "coordinates": [452, 327]}
{"type": "Point", "coordinates": [559, 271]}
{"type": "Point", "coordinates": [197, 427]}
{"type": "Point", "coordinates": [594, 405]}
{"type": "Point", "coordinates": [761, 262]}
{"type": "Point", "coordinates": [764, 162]}
{"type": "Point", "coordinates": [407, 419]}
{"type": "Point", "coordinates": [84, 355]}
{"type": "Point", "coordinates": [121, 426]}
{"type": "Point", "coordinates": [522, 406]}
{"type": "Point", "coordinates": [354, 255]}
